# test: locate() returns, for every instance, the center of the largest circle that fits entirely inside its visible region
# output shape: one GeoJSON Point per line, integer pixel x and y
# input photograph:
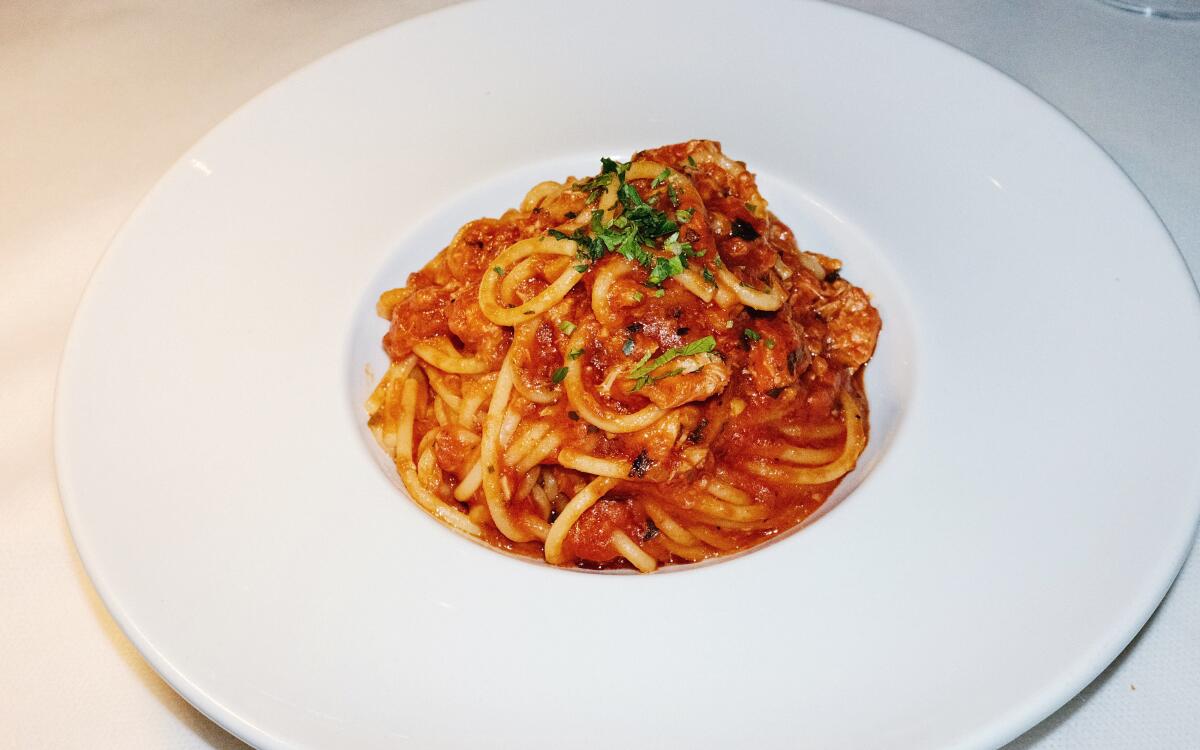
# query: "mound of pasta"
{"type": "Point", "coordinates": [635, 369]}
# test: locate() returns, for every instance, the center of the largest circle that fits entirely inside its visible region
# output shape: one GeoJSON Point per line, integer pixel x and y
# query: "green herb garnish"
{"type": "Point", "coordinates": [620, 237]}
{"type": "Point", "coordinates": [608, 166]}
{"type": "Point", "coordinates": [675, 247]}
{"type": "Point", "coordinates": [636, 232]}
{"type": "Point", "coordinates": [559, 374]}
{"type": "Point", "coordinates": [642, 373]}
{"type": "Point", "coordinates": [751, 335]}
{"type": "Point", "coordinates": [665, 268]}
{"type": "Point", "coordinates": [650, 222]}
{"type": "Point", "coordinates": [595, 187]}
{"type": "Point", "coordinates": [566, 327]}
{"type": "Point", "coordinates": [499, 271]}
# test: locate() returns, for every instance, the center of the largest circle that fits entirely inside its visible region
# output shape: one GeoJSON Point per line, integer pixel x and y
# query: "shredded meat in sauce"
{"type": "Point", "coordinates": [768, 399]}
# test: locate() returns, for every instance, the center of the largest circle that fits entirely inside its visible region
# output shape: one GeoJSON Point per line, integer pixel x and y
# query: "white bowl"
{"type": "Point", "coordinates": [1031, 487]}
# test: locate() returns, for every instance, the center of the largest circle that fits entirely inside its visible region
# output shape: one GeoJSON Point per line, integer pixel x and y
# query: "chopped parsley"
{"type": "Point", "coordinates": [559, 374]}
{"type": "Point", "coordinates": [574, 354]}
{"type": "Point", "coordinates": [770, 343]}
{"type": "Point", "coordinates": [751, 208]}
{"type": "Point", "coordinates": [499, 271]}
{"type": "Point", "coordinates": [691, 162]}
{"type": "Point", "coordinates": [566, 327]}
{"type": "Point", "coordinates": [595, 187]}
{"type": "Point", "coordinates": [620, 236]}
{"type": "Point", "coordinates": [675, 247]}
{"type": "Point", "coordinates": [650, 222]}
{"type": "Point", "coordinates": [608, 166]}
{"type": "Point", "coordinates": [751, 335]}
{"type": "Point", "coordinates": [642, 374]}
{"type": "Point", "coordinates": [665, 268]}
{"type": "Point", "coordinates": [708, 276]}
{"type": "Point", "coordinates": [636, 233]}
{"type": "Point", "coordinates": [588, 249]}
{"type": "Point", "coordinates": [638, 296]}
{"type": "Point", "coordinates": [584, 250]}
{"type": "Point", "coordinates": [659, 292]}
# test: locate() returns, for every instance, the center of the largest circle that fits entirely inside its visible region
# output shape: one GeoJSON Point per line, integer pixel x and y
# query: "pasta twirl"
{"type": "Point", "coordinates": [635, 369]}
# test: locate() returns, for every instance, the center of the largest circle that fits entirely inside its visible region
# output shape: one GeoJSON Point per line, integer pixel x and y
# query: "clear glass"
{"type": "Point", "coordinates": [1176, 9]}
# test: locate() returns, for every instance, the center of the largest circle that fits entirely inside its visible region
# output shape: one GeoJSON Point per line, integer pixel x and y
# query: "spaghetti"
{"type": "Point", "coordinates": [632, 370]}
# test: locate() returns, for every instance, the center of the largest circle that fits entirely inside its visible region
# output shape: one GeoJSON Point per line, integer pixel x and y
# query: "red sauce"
{"type": "Point", "coordinates": [778, 373]}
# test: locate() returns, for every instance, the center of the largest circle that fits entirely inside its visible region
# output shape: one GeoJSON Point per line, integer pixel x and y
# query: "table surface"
{"type": "Point", "coordinates": [99, 97]}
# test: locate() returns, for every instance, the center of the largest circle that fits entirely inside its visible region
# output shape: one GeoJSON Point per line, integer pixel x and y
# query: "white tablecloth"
{"type": "Point", "coordinates": [99, 97]}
